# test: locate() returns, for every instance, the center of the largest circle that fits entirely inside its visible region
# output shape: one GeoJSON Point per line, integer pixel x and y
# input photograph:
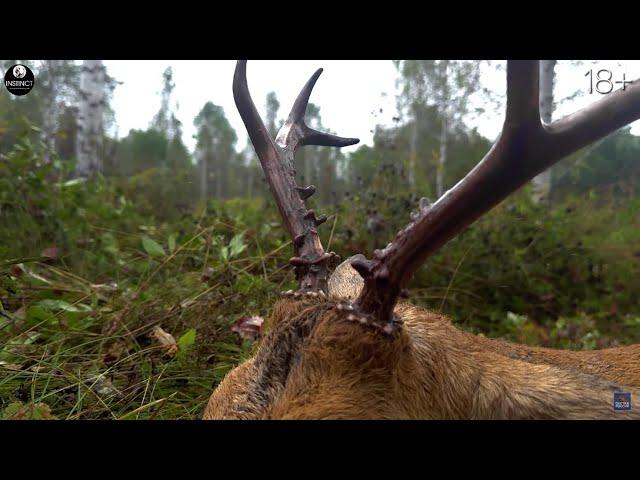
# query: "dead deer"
{"type": "Point", "coordinates": [342, 347]}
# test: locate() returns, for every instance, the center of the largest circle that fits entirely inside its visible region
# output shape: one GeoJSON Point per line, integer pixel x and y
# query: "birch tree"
{"type": "Point", "coordinates": [272, 106]}
{"type": "Point", "coordinates": [58, 85]}
{"type": "Point", "coordinates": [167, 123]}
{"type": "Point", "coordinates": [216, 139]}
{"type": "Point", "coordinates": [445, 85]}
{"type": "Point", "coordinates": [162, 120]}
{"type": "Point", "coordinates": [541, 185]}
{"type": "Point", "coordinates": [93, 85]}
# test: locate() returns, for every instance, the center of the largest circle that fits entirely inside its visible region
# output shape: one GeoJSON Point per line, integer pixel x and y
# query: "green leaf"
{"type": "Point", "coordinates": [152, 247]}
{"type": "Point", "coordinates": [236, 245]}
{"type": "Point", "coordinates": [6, 351]}
{"type": "Point", "coordinates": [12, 409]}
{"type": "Point", "coordinates": [224, 253]}
{"type": "Point", "coordinates": [110, 244]}
{"type": "Point", "coordinates": [245, 283]}
{"type": "Point", "coordinates": [184, 343]}
{"type": "Point", "coordinates": [172, 242]}
{"type": "Point", "coordinates": [186, 340]}
{"type": "Point", "coordinates": [516, 320]}
{"type": "Point", "coordinates": [53, 305]}
{"type": "Point", "coordinates": [18, 410]}
{"type": "Point", "coordinates": [73, 182]}
{"type": "Point", "coordinates": [42, 411]}
{"type": "Point", "coordinates": [37, 314]}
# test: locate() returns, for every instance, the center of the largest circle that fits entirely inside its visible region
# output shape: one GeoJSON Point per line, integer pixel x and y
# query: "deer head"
{"type": "Point", "coordinates": [342, 346]}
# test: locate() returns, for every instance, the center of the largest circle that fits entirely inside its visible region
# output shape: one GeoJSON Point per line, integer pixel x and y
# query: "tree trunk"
{"type": "Point", "coordinates": [90, 118]}
{"type": "Point", "coordinates": [50, 114]}
{"type": "Point", "coordinates": [413, 152]}
{"type": "Point", "coordinates": [247, 161]}
{"type": "Point", "coordinates": [541, 184]}
{"type": "Point", "coordinates": [250, 181]}
{"type": "Point", "coordinates": [48, 131]}
{"type": "Point", "coordinates": [203, 177]}
{"type": "Point", "coordinates": [220, 174]}
{"type": "Point", "coordinates": [442, 160]}
{"type": "Point", "coordinates": [308, 166]}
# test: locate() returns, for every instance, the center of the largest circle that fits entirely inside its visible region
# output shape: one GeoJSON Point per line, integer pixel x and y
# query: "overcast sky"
{"type": "Point", "coordinates": [350, 93]}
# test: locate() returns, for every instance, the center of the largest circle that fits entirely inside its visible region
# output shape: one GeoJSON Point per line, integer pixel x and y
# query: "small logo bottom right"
{"type": "Point", "coordinates": [621, 401]}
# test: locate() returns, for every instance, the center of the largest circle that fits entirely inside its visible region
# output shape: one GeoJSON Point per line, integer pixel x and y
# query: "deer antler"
{"type": "Point", "coordinates": [277, 160]}
{"type": "Point", "coordinates": [525, 148]}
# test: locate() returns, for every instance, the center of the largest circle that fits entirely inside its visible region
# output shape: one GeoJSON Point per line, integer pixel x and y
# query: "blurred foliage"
{"type": "Point", "coordinates": [85, 276]}
{"type": "Point", "coordinates": [611, 166]}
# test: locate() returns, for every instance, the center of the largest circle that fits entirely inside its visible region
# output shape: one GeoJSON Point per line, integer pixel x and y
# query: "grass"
{"type": "Point", "coordinates": [76, 349]}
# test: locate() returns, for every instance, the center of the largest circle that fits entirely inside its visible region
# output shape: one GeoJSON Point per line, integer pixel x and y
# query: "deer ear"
{"type": "Point", "coordinates": [345, 283]}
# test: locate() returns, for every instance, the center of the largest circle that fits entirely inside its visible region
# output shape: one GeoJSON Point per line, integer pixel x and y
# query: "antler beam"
{"type": "Point", "coordinates": [525, 148]}
{"type": "Point", "coordinates": [277, 159]}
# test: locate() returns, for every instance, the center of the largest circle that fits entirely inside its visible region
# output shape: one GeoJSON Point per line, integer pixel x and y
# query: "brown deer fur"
{"type": "Point", "coordinates": [315, 364]}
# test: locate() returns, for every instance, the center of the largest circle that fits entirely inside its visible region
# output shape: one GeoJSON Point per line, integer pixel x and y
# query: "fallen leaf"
{"type": "Point", "coordinates": [102, 386]}
{"type": "Point", "coordinates": [10, 366]}
{"type": "Point", "coordinates": [249, 328]}
{"type": "Point", "coordinates": [19, 411]}
{"type": "Point", "coordinates": [114, 352]}
{"type": "Point", "coordinates": [166, 340]}
{"type": "Point", "coordinates": [17, 270]}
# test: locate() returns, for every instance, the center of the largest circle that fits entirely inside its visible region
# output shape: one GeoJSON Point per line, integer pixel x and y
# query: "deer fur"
{"type": "Point", "coordinates": [315, 364]}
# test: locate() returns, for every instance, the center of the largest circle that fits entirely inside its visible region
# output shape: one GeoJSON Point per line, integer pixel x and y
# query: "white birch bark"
{"type": "Point", "coordinates": [413, 152]}
{"type": "Point", "coordinates": [541, 184]}
{"type": "Point", "coordinates": [51, 111]}
{"type": "Point", "coordinates": [90, 118]}
{"type": "Point", "coordinates": [246, 154]}
{"type": "Point", "coordinates": [442, 160]}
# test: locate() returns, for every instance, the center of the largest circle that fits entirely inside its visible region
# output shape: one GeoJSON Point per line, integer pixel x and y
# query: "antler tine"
{"type": "Point", "coordinates": [579, 129]}
{"type": "Point", "coordinates": [525, 148]}
{"type": "Point", "coordinates": [295, 132]}
{"type": "Point", "coordinates": [302, 100]}
{"type": "Point", "coordinates": [255, 127]}
{"type": "Point", "coordinates": [310, 261]}
{"type": "Point", "coordinates": [523, 104]}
